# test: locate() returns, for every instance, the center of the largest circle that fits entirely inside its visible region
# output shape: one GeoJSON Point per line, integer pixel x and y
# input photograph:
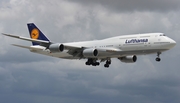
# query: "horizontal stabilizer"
{"type": "Point", "coordinates": [29, 47]}
{"type": "Point", "coordinates": [29, 39]}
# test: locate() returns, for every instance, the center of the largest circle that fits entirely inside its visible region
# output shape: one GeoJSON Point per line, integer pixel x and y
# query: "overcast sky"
{"type": "Point", "coordinates": [26, 77]}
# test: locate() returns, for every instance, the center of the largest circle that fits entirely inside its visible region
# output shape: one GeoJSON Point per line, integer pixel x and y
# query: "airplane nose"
{"type": "Point", "coordinates": [172, 42]}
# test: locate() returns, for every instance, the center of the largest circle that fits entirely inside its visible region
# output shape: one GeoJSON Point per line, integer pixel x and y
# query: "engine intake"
{"type": "Point", "coordinates": [56, 48]}
{"type": "Point", "coordinates": [90, 53]}
{"type": "Point", "coordinates": [128, 59]}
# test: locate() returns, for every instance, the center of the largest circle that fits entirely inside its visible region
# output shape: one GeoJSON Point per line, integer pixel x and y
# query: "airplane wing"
{"type": "Point", "coordinates": [75, 51]}
{"type": "Point", "coordinates": [72, 50]}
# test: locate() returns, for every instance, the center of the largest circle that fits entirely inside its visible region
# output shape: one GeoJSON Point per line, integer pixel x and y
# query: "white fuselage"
{"type": "Point", "coordinates": [125, 48]}
{"type": "Point", "coordinates": [137, 44]}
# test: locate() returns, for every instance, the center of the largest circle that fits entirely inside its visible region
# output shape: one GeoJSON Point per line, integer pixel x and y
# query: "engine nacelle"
{"type": "Point", "coordinates": [90, 53]}
{"type": "Point", "coordinates": [56, 47]}
{"type": "Point", "coordinates": [128, 59]}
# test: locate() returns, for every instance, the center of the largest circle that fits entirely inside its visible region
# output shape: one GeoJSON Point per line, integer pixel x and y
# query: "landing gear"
{"type": "Point", "coordinates": [92, 62]}
{"type": "Point", "coordinates": [158, 59]}
{"type": "Point", "coordinates": [108, 62]}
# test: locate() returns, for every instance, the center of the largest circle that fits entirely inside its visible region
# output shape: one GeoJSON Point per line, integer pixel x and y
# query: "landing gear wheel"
{"type": "Point", "coordinates": [95, 64]}
{"type": "Point", "coordinates": [92, 62]}
{"type": "Point", "coordinates": [106, 65]}
{"type": "Point", "coordinates": [108, 62]}
{"type": "Point", "coordinates": [158, 59]}
{"type": "Point", "coordinates": [88, 63]}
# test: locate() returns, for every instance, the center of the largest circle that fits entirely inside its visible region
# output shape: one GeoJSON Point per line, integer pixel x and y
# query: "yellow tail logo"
{"type": "Point", "coordinates": [35, 34]}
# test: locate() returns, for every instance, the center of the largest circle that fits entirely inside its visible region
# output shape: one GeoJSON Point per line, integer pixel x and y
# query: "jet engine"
{"type": "Point", "coordinates": [128, 59]}
{"type": "Point", "coordinates": [90, 53]}
{"type": "Point", "coordinates": [56, 47]}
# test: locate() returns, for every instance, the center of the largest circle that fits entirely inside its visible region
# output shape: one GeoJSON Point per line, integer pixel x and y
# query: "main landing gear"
{"type": "Point", "coordinates": [108, 62]}
{"type": "Point", "coordinates": [158, 59]}
{"type": "Point", "coordinates": [92, 62]}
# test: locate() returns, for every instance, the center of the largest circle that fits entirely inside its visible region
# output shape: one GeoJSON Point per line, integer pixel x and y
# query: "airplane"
{"type": "Point", "coordinates": [125, 48]}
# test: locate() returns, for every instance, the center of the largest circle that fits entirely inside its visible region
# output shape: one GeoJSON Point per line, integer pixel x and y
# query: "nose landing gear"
{"type": "Point", "coordinates": [158, 59]}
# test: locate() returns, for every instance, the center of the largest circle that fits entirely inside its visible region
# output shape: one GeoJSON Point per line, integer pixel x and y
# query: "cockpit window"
{"type": "Point", "coordinates": [162, 35]}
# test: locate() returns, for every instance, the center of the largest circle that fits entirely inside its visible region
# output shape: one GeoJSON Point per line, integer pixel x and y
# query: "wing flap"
{"type": "Point", "coordinates": [74, 50]}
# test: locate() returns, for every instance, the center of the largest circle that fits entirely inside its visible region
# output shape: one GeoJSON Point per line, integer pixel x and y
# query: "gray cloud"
{"type": "Point", "coordinates": [28, 77]}
{"type": "Point", "coordinates": [134, 5]}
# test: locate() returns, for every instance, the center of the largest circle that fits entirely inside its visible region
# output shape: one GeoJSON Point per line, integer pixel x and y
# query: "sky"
{"type": "Point", "coordinates": [26, 77]}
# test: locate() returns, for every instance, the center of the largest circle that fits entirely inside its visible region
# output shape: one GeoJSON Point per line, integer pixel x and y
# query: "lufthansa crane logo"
{"type": "Point", "coordinates": [35, 33]}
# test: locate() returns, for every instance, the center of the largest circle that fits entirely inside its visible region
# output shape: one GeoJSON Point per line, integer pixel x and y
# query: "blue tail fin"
{"type": "Point", "coordinates": [35, 33]}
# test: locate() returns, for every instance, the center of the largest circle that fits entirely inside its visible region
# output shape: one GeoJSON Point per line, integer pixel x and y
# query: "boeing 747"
{"type": "Point", "coordinates": [125, 48]}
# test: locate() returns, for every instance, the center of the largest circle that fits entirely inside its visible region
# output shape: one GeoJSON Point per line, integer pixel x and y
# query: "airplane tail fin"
{"type": "Point", "coordinates": [35, 33]}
